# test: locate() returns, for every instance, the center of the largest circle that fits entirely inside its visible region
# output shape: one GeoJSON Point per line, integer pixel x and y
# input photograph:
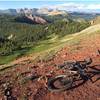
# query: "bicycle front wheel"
{"type": "Point", "coordinates": [60, 83]}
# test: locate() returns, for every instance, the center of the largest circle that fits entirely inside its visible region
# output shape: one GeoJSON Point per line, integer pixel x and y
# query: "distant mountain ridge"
{"type": "Point", "coordinates": [34, 11]}
{"type": "Point", "coordinates": [49, 12]}
{"type": "Point", "coordinates": [87, 16]}
{"type": "Point", "coordinates": [95, 21]}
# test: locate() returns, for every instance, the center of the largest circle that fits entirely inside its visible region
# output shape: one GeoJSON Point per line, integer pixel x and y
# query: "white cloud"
{"type": "Point", "coordinates": [75, 6]}
{"type": "Point", "coordinates": [94, 6]}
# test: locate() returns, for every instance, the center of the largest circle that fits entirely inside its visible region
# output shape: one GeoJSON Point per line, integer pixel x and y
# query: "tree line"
{"type": "Point", "coordinates": [15, 35]}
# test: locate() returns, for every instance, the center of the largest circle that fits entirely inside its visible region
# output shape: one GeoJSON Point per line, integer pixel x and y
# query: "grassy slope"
{"type": "Point", "coordinates": [54, 43]}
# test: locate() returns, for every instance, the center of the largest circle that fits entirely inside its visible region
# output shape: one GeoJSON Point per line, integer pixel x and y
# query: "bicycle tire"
{"type": "Point", "coordinates": [66, 86]}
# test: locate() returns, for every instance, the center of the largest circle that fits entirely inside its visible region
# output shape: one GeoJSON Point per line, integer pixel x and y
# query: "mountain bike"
{"type": "Point", "coordinates": [75, 71]}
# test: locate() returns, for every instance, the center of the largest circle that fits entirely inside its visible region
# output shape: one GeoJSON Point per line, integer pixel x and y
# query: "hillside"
{"type": "Point", "coordinates": [30, 19]}
{"type": "Point", "coordinates": [17, 38]}
{"type": "Point", "coordinates": [72, 40]}
{"type": "Point", "coordinates": [70, 47]}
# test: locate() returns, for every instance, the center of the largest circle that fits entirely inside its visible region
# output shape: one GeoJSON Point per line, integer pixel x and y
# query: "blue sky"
{"type": "Point", "coordinates": [83, 5]}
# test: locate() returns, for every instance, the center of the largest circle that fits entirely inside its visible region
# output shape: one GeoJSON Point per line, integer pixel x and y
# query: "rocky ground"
{"type": "Point", "coordinates": [26, 87]}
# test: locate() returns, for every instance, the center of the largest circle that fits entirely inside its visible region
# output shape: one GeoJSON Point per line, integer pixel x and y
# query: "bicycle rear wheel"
{"type": "Point", "coordinates": [60, 83]}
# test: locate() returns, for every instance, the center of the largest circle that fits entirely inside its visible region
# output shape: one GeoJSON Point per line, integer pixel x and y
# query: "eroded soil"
{"type": "Point", "coordinates": [26, 88]}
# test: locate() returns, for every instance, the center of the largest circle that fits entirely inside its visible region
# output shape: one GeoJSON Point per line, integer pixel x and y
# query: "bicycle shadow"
{"type": "Point", "coordinates": [93, 71]}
